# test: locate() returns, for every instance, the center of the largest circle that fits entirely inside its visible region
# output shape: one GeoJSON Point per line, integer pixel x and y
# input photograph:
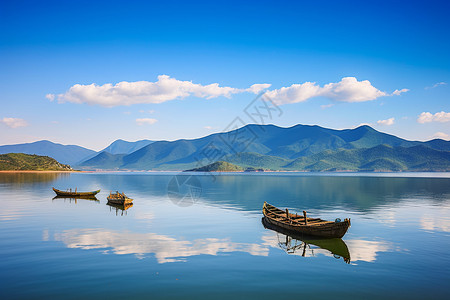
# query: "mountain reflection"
{"type": "Point", "coordinates": [308, 246]}
{"type": "Point", "coordinates": [21, 178]}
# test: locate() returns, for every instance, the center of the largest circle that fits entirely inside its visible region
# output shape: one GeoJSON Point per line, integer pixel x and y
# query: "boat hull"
{"type": "Point", "coordinates": [320, 228]}
{"type": "Point", "coordinates": [335, 245]}
{"type": "Point", "coordinates": [76, 194]}
{"type": "Point", "coordinates": [119, 201]}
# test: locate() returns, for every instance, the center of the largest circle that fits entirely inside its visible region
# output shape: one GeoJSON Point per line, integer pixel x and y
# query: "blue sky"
{"type": "Point", "coordinates": [48, 47]}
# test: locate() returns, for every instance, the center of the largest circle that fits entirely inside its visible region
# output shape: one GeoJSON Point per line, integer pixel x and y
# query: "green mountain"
{"type": "Point", "coordinates": [25, 162]}
{"type": "Point", "coordinates": [218, 166]}
{"type": "Point", "coordinates": [104, 160]}
{"type": "Point", "coordinates": [66, 154]}
{"type": "Point", "coordinates": [124, 147]}
{"type": "Point", "coordinates": [300, 147]}
{"type": "Point", "coordinates": [378, 158]}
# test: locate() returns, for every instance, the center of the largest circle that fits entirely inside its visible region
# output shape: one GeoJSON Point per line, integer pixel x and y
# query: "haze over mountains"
{"type": "Point", "coordinates": [301, 147]}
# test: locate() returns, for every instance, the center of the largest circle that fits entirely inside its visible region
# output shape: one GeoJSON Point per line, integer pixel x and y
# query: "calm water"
{"type": "Point", "coordinates": [202, 237]}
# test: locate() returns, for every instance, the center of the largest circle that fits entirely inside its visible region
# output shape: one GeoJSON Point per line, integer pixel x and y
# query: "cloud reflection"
{"type": "Point", "coordinates": [360, 250]}
{"type": "Point", "coordinates": [168, 249]}
{"type": "Point", "coordinates": [367, 251]}
{"type": "Point", "coordinates": [165, 248]}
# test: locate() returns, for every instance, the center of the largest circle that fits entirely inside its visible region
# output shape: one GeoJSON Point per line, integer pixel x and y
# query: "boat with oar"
{"type": "Point", "coordinates": [118, 198]}
{"type": "Point", "coordinates": [303, 225]}
{"type": "Point", "coordinates": [75, 193]}
{"type": "Point", "coordinates": [296, 244]}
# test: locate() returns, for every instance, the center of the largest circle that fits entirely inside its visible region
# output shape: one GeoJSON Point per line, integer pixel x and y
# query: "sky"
{"type": "Point", "coordinates": [90, 72]}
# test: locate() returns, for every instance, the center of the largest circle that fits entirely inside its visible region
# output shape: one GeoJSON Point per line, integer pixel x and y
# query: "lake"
{"type": "Point", "coordinates": [202, 237]}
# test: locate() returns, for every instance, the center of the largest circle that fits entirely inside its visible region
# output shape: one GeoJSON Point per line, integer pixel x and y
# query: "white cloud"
{"type": "Point", "coordinates": [327, 106]}
{"type": "Point", "coordinates": [436, 85]}
{"type": "Point", "coordinates": [14, 122]}
{"type": "Point", "coordinates": [258, 87]}
{"type": "Point", "coordinates": [208, 127]}
{"type": "Point", "coordinates": [151, 111]}
{"type": "Point", "coordinates": [349, 89]}
{"type": "Point", "coordinates": [50, 97]}
{"type": "Point", "coordinates": [427, 117]}
{"type": "Point", "coordinates": [294, 93]}
{"type": "Point", "coordinates": [387, 122]}
{"type": "Point", "coordinates": [441, 135]}
{"type": "Point", "coordinates": [146, 121]}
{"type": "Point", "coordinates": [398, 92]}
{"type": "Point", "coordinates": [139, 92]}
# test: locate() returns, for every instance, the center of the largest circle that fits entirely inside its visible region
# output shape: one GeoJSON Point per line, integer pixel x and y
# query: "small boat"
{"type": "Point", "coordinates": [293, 243]}
{"type": "Point", "coordinates": [303, 224]}
{"type": "Point", "coordinates": [75, 193]}
{"type": "Point", "coordinates": [118, 198]}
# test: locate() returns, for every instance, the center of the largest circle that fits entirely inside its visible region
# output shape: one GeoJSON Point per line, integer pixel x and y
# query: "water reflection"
{"type": "Point", "coordinates": [165, 248]}
{"type": "Point", "coordinates": [74, 199]}
{"type": "Point", "coordinates": [21, 178]}
{"type": "Point", "coordinates": [306, 246]}
{"type": "Point", "coordinates": [367, 251]}
{"type": "Point", "coordinates": [119, 208]}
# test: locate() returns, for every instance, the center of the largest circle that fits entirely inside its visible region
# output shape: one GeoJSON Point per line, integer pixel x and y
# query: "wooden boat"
{"type": "Point", "coordinates": [293, 243]}
{"type": "Point", "coordinates": [75, 193]}
{"type": "Point", "coordinates": [118, 198]}
{"type": "Point", "coordinates": [303, 224]}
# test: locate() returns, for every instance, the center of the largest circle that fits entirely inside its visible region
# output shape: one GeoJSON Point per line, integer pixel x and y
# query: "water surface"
{"type": "Point", "coordinates": [202, 237]}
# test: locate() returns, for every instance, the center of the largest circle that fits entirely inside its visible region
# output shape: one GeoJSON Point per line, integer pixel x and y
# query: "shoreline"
{"type": "Point", "coordinates": [35, 171]}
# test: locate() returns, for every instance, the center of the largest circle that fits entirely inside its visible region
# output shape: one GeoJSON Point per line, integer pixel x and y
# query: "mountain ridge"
{"type": "Point", "coordinates": [65, 154]}
{"type": "Point", "coordinates": [273, 147]}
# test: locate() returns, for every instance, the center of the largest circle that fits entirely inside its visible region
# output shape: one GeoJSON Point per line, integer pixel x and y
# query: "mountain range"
{"type": "Point", "coordinates": [71, 154]}
{"type": "Point", "coordinates": [65, 154]}
{"type": "Point", "coordinates": [301, 147]}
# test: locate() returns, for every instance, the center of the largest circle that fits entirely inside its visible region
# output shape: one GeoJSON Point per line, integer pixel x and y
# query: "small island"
{"type": "Point", "coordinates": [218, 166]}
{"type": "Point", "coordinates": [27, 162]}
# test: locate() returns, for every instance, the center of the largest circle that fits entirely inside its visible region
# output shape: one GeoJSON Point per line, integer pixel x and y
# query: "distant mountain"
{"type": "Point", "coordinates": [300, 147]}
{"type": "Point", "coordinates": [218, 166]}
{"type": "Point", "coordinates": [104, 160]}
{"type": "Point", "coordinates": [66, 154]}
{"type": "Point", "coordinates": [26, 162]}
{"type": "Point", "coordinates": [124, 147]}
{"type": "Point", "coordinates": [378, 158]}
